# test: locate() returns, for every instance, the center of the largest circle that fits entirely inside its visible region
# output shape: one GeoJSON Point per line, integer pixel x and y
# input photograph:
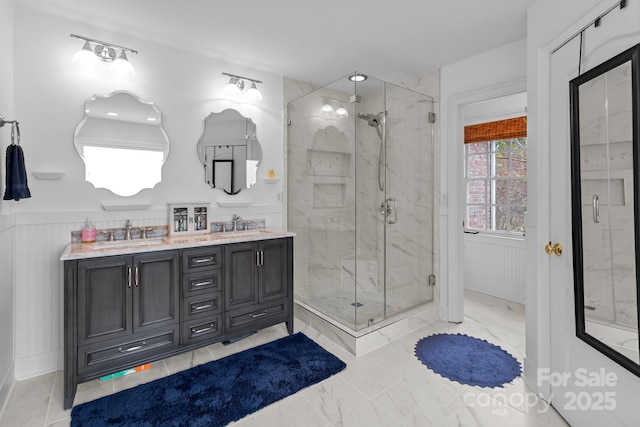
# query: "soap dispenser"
{"type": "Point", "coordinates": [88, 233]}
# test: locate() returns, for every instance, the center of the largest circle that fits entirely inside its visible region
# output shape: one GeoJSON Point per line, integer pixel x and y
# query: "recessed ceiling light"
{"type": "Point", "coordinates": [357, 77]}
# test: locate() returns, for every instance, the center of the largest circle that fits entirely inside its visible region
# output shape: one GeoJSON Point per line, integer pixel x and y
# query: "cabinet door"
{"type": "Point", "coordinates": [273, 276]}
{"type": "Point", "coordinates": [156, 286]}
{"type": "Point", "coordinates": [241, 275]}
{"type": "Point", "coordinates": [104, 298]}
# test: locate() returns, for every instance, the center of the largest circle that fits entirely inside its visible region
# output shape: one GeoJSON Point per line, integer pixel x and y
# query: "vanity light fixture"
{"type": "Point", "coordinates": [105, 52]}
{"type": "Point", "coordinates": [333, 108]}
{"type": "Point", "coordinates": [236, 85]}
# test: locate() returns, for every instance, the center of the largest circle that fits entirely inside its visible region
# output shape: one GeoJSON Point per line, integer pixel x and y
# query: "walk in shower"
{"type": "Point", "coordinates": [360, 196]}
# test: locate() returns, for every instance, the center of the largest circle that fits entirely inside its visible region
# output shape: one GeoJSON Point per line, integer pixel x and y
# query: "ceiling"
{"type": "Point", "coordinates": [316, 41]}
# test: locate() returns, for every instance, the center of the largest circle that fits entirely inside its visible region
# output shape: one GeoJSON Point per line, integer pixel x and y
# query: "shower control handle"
{"type": "Point", "coordinates": [388, 208]}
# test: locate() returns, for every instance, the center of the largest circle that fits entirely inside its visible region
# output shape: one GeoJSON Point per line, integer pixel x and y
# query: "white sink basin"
{"type": "Point", "coordinates": [128, 243]}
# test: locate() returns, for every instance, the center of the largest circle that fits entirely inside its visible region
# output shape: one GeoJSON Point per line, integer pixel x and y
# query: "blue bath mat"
{"type": "Point", "coordinates": [467, 360]}
{"type": "Point", "coordinates": [219, 392]}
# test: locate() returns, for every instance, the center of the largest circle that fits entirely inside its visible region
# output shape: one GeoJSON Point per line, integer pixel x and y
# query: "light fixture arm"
{"type": "Point", "coordinates": [87, 39]}
{"type": "Point", "coordinates": [242, 78]}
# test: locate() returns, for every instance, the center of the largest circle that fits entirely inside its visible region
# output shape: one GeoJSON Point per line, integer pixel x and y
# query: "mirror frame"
{"type": "Point", "coordinates": [630, 55]}
{"type": "Point", "coordinates": [94, 108]}
{"type": "Point", "coordinates": [210, 132]}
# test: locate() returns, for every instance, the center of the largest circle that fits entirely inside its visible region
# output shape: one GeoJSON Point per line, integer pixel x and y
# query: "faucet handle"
{"type": "Point", "coordinates": [143, 232]}
{"type": "Point", "coordinates": [129, 224]}
{"type": "Point", "coordinates": [110, 236]}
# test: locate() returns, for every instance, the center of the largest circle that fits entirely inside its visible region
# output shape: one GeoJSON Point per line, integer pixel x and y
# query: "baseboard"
{"type": "Point", "coordinates": [38, 364]}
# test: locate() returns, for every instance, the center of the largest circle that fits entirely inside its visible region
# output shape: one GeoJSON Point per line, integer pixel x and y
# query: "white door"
{"type": "Point", "coordinates": [587, 388]}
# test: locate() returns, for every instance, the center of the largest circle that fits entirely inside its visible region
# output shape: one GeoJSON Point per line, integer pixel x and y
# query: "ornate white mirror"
{"type": "Point", "coordinates": [229, 151]}
{"type": "Point", "coordinates": [122, 143]}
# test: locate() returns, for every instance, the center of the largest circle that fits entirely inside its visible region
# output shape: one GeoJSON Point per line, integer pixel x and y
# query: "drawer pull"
{"type": "Point", "coordinates": [195, 307]}
{"type": "Point", "coordinates": [254, 316]}
{"type": "Point", "coordinates": [196, 331]}
{"type": "Point", "coordinates": [201, 260]}
{"type": "Point", "coordinates": [130, 349]}
{"type": "Point", "coordinates": [199, 284]}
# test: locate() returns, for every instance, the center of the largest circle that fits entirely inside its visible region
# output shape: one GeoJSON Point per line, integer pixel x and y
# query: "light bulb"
{"type": "Point", "coordinates": [85, 56]}
{"type": "Point", "coordinates": [326, 109]}
{"type": "Point", "coordinates": [122, 66]}
{"type": "Point", "coordinates": [342, 112]}
{"type": "Point", "coordinates": [253, 94]}
{"type": "Point", "coordinates": [232, 88]}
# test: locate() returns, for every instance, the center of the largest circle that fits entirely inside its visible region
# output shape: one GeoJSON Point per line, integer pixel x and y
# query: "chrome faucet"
{"type": "Point", "coordinates": [235, 220]}
{"type": "Point", "coordinates": [127, 233]}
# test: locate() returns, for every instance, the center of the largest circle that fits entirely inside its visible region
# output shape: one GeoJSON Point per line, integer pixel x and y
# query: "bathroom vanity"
{"type": "Point", "coordinates": [133, 302]}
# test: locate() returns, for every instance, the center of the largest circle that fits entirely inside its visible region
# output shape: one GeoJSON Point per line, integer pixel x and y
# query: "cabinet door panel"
{"type": "Point", "coordinates": [104, 299]}
{"type": "Point", "coordinates": [156, 290]}
{"type": "Point", "coordinates": [273, 272]}
{"type": "Point", "coordinates": [240, 275]}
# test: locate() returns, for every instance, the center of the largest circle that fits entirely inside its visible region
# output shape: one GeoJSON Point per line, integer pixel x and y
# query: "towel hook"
{"type": "Point", "coordinates": [15, 129]}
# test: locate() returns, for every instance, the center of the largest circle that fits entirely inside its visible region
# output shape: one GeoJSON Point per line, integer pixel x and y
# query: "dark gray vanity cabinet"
{"type": "Point", "coordinates": [201, 295]}
{"type": "Point", "coordinates": [122, 311]}
{"type": "Point", "coordinates": [119, 310]}
{"type": "Point", "coordinates": [258, 285]}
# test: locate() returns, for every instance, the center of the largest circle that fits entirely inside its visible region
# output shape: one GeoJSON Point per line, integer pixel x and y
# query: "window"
{"type": "Point", "coordinates": [496, 185]}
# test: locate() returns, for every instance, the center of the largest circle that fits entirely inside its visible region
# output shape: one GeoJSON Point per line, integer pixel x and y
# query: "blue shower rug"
{"type": "Point", "coordinates": [467, 360]}
{"type": "Point", "coordinates": [218, 392]}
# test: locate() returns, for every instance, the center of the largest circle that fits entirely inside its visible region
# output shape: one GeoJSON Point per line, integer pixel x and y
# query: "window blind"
{"type": "Point", "coordinates": [497, 130]}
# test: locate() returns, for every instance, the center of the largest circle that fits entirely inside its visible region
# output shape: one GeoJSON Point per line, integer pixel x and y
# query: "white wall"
{"type": "Point", "coordinates": [6, 220]}
{"type": "Point", "coordinates": [494, 74]}
{"type": "Point", "coordinates": [49, 95]}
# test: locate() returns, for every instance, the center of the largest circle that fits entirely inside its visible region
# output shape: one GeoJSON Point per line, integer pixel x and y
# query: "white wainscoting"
{"type": "Point", "coordinates": [6, 307]}
{"type": "Point", "coordinates": [495, 266]}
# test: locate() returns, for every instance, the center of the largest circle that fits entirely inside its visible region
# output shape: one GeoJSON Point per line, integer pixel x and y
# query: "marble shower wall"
{"type": "Point", "coordinates": [606, 167]}
{"type": "Point", "coordinates": [333, 195]}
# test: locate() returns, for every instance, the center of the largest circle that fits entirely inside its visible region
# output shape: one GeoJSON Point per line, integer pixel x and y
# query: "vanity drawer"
{"type": "Point", "coordinates": [199, 330]}
{"type": "Point", "coordinates": [115, 354]}
{"type": "Point", "coordinates": [257, 317]}
{"type": "Point", "coordinates": [197, 259]}
{"type": "Point", "coordinates": [201, 304]}
{"type": "Point", "coordinates": [201, 282]}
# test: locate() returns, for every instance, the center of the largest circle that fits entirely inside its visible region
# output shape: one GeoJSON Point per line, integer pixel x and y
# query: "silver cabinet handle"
{"type": "Point", "coordinates": [204, 283]}
{"type": "Point", "coordinates": [254, 316]}
{"type": "Point", "coordinates": [137, 276]}
{"type": "Point", "coordinates": [201, 260]}
{"type": "Point", "coordinates": [129, 276]}
{"type": "Point", "coordinates": [596, 209]}
{"type": "Point", "coordinates": [208, 304]}
{"type": "Point", "coordinates": [130, 349]}
{"type": "Point", "coordinates": [196, 331]}
{"type": "Point", "coordinates": [257, 258]}
{"type": "Point", "coordinates": [261, 258]}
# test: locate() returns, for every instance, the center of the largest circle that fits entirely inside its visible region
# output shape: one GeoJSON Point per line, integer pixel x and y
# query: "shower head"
{"type": "Point", "coordinates": [372, 119]}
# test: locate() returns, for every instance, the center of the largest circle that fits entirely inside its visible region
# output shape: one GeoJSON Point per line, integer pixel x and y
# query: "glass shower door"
{"type": "Point", "coordinates": [409, 199]}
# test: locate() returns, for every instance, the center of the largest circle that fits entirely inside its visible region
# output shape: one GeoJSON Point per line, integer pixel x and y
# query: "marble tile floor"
{"type": "Point", "coordinates": [387, 387]}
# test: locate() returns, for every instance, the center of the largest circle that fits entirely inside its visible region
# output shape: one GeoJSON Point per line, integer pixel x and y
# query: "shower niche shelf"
{"type": "Point", "coordinates": [327, 163]}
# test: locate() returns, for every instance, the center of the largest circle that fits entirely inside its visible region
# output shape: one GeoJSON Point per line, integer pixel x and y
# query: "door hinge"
{"type": "Point", "coordinates": [432, 280]}
{"type": "Point", "coordinates": [432, 117]}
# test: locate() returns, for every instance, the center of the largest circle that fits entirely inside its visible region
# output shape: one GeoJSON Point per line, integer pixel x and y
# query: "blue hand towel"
{"type": "Point", "coordinates": [16, 175]}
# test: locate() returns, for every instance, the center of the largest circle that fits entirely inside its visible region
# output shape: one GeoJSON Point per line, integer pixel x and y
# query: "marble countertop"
{"type": "Point", "coordinates": [121, 247]}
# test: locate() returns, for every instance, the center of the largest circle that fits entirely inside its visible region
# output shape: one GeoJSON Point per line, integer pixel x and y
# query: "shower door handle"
{"type": "Point", "coordinates": [388, 208]}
